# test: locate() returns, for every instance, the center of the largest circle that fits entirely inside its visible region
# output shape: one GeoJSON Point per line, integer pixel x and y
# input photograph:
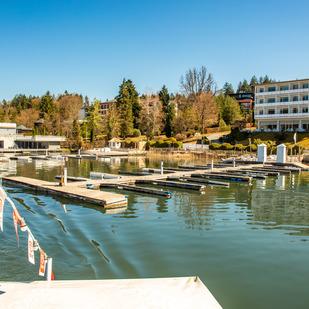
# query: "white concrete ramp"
{"type": "Point", "coordinates": [186, 292]}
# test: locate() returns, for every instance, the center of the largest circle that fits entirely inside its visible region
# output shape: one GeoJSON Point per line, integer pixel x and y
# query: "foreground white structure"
{"type": "Point", "coordinates": [187, 292]}
{"type": "Point", "coordinates": [283, 106]}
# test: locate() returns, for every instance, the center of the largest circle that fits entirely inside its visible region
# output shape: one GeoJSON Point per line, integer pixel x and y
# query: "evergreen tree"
{"type": "Point", "coordinates": [253, 82]}
{"type": "Point", "coordinates": [136, 108]}
{"type": "Point", "coordinates": [168, 110]}
{"type": "Point", "coordinates": [229, 109]}
{"type": "Point", "coordinates": [47, 105]}
{"type": "Point", "coordinates": [94, 117]}
{"type": "Point", "coordinates": [124, 106]}
{"type": "Point", "coordinates": [228, 88]}
{"type": "Point", "coordinates": [20, 102]}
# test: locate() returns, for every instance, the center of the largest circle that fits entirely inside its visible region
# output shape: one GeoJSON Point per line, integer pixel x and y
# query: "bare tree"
{"type": "Point", "coordinates": [206, 110]}
{"type": "Point", "coordinates": [197, 81]}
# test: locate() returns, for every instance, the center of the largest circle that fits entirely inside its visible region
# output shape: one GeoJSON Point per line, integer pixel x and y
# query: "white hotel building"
{"type": "Point", "coordinates": [283, 106]}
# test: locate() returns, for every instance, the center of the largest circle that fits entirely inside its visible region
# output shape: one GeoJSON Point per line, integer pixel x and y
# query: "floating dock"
{"type": "Point", "coordinates": [97, 197]}
{"type": "Point", "coordinates": [136, 189]}
{"type": "Point", "coordinates": [189, 186]}
{"type": "Point", "coordinates": [168, 293]}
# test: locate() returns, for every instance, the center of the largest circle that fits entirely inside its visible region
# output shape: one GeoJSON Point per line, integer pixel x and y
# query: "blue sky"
{"type": "Point", "coordinates": [88, 47]}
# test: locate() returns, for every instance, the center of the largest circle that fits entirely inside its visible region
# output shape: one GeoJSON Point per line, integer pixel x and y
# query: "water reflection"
{"type": "Point", "coordinates": [280, 206]}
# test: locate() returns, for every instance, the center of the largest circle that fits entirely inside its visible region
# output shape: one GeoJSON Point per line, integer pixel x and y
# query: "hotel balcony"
{"type": "Point", "coordinates": [282, 116]}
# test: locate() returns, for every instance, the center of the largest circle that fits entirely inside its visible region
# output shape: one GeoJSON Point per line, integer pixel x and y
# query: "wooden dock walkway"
{"type": "Point", "coordinates": [70, 191]}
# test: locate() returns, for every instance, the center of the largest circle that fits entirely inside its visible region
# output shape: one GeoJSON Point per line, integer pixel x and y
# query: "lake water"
{"type": "Point", "coordinates": [247, 243]}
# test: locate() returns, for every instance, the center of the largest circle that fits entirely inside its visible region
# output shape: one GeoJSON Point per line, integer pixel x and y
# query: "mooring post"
{"type": "Point", "coordinates": [161, 168]}
{"type": "Point", "coordinates": [49, 268]}
{"type": "Point", "coordinates": [79, 152]}
{"type": "Point", "coordinates": [212, 165]}
{"type": "Point", "coordinates": [234, 162]}
{"type": "Point", "coordinates": [46, 152]}
{"type": "Point", "coordinates": [65, 174]}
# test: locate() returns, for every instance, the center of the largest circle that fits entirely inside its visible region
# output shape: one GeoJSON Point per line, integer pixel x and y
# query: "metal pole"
{"type": "Point", "coordinates": [212, 165]}
{"type": "Point", "coordinates": [233, 162]}
{"type": "Point", "coordinates": [161, 168]}
{"type": "Point", "coordinates": [65, 174]}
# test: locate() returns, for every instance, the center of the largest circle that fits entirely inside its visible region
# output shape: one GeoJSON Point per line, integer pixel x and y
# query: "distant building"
{"type": "Point", "coordinates": [246, 100]}
{"type": "Point", "coordinates": [114, 143]}
{"type": "Point", "coordinates": [9, 138]}
{"type": "Point", "coordinates": [50, 142]}
{"type": "Point", "coordinates": [24, 130]}
{"type": "Point", "coordinates": [7, 135]}
{"type": "Point", "coordinates": [283, 106]}
{"type": "Point", "coordinates": [105, 106]}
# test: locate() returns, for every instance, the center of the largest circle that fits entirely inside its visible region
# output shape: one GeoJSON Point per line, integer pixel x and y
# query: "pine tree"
{"type": "Point", "coordinates": [136, 108]}
{"type": "Point", "coordinates": [124, 105]}
{"type": "Point", "coordinates": [228, 88]}
{"type": "Point", "coordinates": [168, 110]}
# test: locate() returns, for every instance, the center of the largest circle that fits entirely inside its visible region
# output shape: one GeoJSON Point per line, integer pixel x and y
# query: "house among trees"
{"type": "Point", "coordinates": [245, 100]}
{"type": "Point", "coordinates": [114, 143]}
{"type": "Point", "coordinates": [105, 106]}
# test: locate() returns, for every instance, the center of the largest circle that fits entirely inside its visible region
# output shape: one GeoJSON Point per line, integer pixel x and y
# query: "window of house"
{"type": "Point", "coordinates": [261, 90]}
{"type": "Point", "coordinates": [295, 86]}
{"type": "Point", "coordinates": [273, 88]}
{"type": "Point", "coordinates": [305, 97]}
{"type": "Point", "coordinates": [261, 112]}
{"type": "Point", "coordinates": [261, 101]}
{"type": "Point", "coordinates": [305, 109]}
{"type": "Point", "coordinates": [295, 110]}
{"type": "Point", "coordinates": [295, 98]}
{"type": "Point", "coordinates": [271, 100]}
{"type": "Point", "coordinates": [271, 111]}
{"type": "Point", "coordinates": [284, 87]}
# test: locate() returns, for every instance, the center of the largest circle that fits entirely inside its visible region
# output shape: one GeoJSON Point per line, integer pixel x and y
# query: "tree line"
{"type": "Point", "coordinates": [199, 105]}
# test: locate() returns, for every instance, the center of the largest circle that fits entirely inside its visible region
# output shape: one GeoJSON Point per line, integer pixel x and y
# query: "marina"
{"type": "Point", "coordinates": [156, 235]}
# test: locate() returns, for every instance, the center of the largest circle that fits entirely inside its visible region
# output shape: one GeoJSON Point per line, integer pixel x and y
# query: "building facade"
{"type": "Point", "coordinates": [105, 106]}
{"type": "Point", "coordinates": [283, 106]}
{"type": "Point", "coordinates": [246, 100]}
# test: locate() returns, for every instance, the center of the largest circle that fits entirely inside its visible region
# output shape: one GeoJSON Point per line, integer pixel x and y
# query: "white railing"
{"type": "Point", "coordinates": [275, 116]}
{"type": "Point", "coordinates": [195, 146]}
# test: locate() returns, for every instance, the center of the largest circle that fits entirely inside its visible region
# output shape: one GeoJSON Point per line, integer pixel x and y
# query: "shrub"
{"type": "Point", "coordinates": [177, 144]}
{"type": "Point", "coordinates": [214, 146]}
{"type": "Point", "coordinates": [180, 137]}
{"type": "Point", "coordinates": [239, 147]}
{"type": "Point", "coordinates": [150, 144]}
{"type": "Point", "coordinates": [136, 133]}
{"type": "Point", "coordinates": [159, 144]}
{"type": "Point", "coordinates": [227, 146]}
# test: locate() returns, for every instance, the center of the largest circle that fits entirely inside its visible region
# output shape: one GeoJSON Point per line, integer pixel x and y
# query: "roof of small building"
{"type": "Point", "coordinates": [115, 140]}
{"type": "Point", "coordinates": [21, 127]}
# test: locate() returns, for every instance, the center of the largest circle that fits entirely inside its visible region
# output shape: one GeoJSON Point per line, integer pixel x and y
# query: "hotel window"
{"type": "Point", "coordinates": [305, 97]}
{"type": "Point", "coordinates": [272, 88]}
{"type": "Point", "coordinates": [305, 109]}
{"type": "Point", "coordinates": [306, 85]}
{"type": "Point", "coordinates": [271, 100]}
{"type": "Point", "coordinates": [271, 111]}
{"type": "Point", "coordinates": [295, 86]}
{"type": "Point", "coordinates": [261, 90]}
{"type": "Point", "coordinates": [285, 87]}
{"type": "Point", "coordinates": [295, 98]}
{"type": "Point", "coordinates": [284, 111]}
{"type": "Point", "coordinates": [295, 110]}
{"type": "Point", "coordinates": [284, 99]}
{"type": "Point", "coordinates": [261, 101]}
{"type": "Point", "coordinates": [261, 112]}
